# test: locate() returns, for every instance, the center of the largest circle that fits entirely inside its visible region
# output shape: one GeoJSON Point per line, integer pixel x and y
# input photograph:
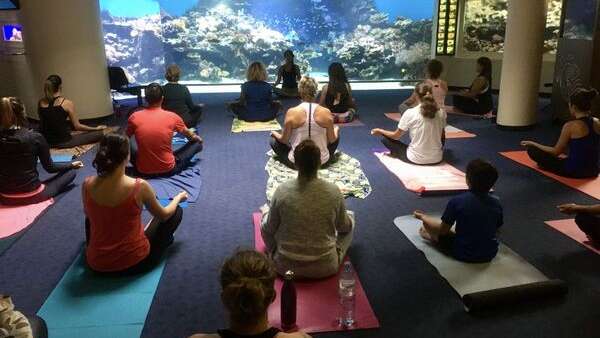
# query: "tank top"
{"type": "Point", "coordinates": [583, 153]}
{"type": "Point", "coordinates": [270, 333]}
{"type": "Point", "coordinates": [439, 93]}
{"type": "Point", "coordinates": [117, 240]}
{"type": "Point", "coordinates": [54, 122]}
{"type": "Point", "coordinates": [289, 78]}
{"type": "Point", "coordinates": [310, 130]}
{"type": "Point", "coordinates": [485, 98]}
{"type": "Point", "coordinates": [340, 106]}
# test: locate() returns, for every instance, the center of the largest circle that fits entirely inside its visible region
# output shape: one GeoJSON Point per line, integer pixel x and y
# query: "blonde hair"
{"type": "Point", "coordinates": [12, 112]}
{"type": "Point", "coordinates": [307, 88]}
{"type": "Point", "coordinates": [256, 72]}
{"type": "Point", "coordinates": [173, 73]}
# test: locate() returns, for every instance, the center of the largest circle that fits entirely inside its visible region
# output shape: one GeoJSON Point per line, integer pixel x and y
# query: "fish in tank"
{"type": "Point", "coordinates": [213, 41]}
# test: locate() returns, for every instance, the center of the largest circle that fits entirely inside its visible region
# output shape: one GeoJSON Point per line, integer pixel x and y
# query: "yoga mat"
{"type": "Point", "coordinates": [165, 202]}
{"type": "Point", "coordinates": [240, 126]}
{"type": "Point", "coordinates": [506, 270]}
{"type": "Point", "coordinates": [188, 180]}
{"type": "Point", "coordinates": [87, 304]}
{"type": "Point", "coordinates": [570, 229]}
{"type": "Point", "coordinates": [71, 152]}
{"type": "Point", "coordinates": [318, 300]}
{"type": "Point", "coordinates": [346, 172]}
{"type": "Point", "coordinates": [354, 123]}
{"type": "Point", "coordinates": [16, 218]}
{"type": "Point", "coordinates": [587, 186]}
{"type": "Point", "coordinates": [451, 132]}
{"type": "Point", "coordinates": [439, 178]}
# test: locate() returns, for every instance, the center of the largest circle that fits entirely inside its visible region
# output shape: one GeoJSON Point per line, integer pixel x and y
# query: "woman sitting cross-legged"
{"type": "Point", "coordinates": [425, 123]}
{"type": "Point", "coordinates": [113, 203]}
{"type": "Point", "coordinates": [337, 95]}
{"type": "Point", "coordinates": [256, 100]}
{"type": "Point", "coordinates": [58, 119]}
{"type": "Point", "coordinates": [579, 139]}
{"type": "Point", "coordinates": [477, 100]}
{"type": "Point", "coordinates": [177, 98]}
{"type": "Point", "coordinates": [307, 121]}
{"type": "Point", "coordinates": [248, 288]}
{"type": "Point", "coordinates": [307, 229]}
{"type": "Point", "coordinates": [20, 149]}
{"type": "Point", "coordinates": [587, 218]}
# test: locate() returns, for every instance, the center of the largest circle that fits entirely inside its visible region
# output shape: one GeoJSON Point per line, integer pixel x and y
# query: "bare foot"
{"type": "Point", "coordinates": [425, 234]}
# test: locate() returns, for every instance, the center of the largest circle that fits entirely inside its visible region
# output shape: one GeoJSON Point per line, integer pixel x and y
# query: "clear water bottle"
{"type": "Point", "coordinates": [347, 296]}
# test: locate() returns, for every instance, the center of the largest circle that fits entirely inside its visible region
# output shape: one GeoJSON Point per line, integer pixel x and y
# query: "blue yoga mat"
{"type": "Point", "coordinates": [86, 304]}
{"type": "Point", "coordinates": [188, 180]}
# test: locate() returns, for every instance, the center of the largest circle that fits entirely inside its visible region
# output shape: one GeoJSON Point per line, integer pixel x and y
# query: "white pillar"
{"type": "Point", "coordinates": [64, 37]}
{"type": "Point", "coordinates": [522, 63]}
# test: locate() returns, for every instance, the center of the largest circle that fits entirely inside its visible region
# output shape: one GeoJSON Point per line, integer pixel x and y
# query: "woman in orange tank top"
{"type": "Point", "coordinates": [113, 203]}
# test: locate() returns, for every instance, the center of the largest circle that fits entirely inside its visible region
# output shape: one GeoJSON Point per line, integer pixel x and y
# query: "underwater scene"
{"type": "Point", "coordinates": [213, 41]}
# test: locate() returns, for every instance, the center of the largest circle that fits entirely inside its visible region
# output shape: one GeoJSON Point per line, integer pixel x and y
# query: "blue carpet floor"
{"type": "Point", "coordinates": [408, 296]}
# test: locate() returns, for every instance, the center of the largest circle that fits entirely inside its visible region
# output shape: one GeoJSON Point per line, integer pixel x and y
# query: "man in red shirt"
{"type": "Point", "coordinates": [153, 128]}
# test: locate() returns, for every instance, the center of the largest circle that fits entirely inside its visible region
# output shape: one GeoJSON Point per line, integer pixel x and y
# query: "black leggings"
{"type": "Point", "coordinates": [547, 161]}
{"type": "Point", "coordinates": [283, 150]}
{"type": "Point", "coordinates": [183, 156]}
{"type": "Point", "coordinates": [590, 225]}
{"type": "Point", "coordinates": [79, 139]}
{"type": "Point", "coordinates": [468, 105]}
{"type": "Point", "coordinates": [192, 117]}
{"type": "Point", "coordinates": [398, 149]}
{"type": "Point", "coordinates": [160, 236]}
{"type": "Point", "coordinates": [53, 187]}
{"type": "Point", "coordinates": [240, 110]}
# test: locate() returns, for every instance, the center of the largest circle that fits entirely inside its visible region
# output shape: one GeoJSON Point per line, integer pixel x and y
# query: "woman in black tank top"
{"type": "Point", "coordinates": [58, 119]}
{"type": "Point", "coordinates": [337, 95]}
{"type": "Point", "coordinates": [289, 73]}
{"type": "Point", "coordinates": [248, 288]}
{"type": "Point", "coordinates": [477, 100]}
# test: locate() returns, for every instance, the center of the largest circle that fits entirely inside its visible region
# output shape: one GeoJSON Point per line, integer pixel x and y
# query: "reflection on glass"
{"type": "Point", "coordinates": [579, 19]}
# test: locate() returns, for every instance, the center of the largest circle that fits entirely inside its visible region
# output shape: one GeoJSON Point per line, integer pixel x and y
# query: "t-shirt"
{"type": "Point", "coordinates": [425, 135]}
{"type": "Point", "coordinates": [257, 95]}
{"type": "Point", "coordinates": [153, 130]}
{"type": "Point", "coordinates": [477, 218]}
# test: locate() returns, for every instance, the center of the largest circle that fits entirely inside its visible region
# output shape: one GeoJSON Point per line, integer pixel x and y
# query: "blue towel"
{"type": "Point", "coordinates": [86, 304]}
{"type": "Point", "coordinates": [60, 158]}
{"type": "Point", "coordinates": [165, 202]}
{"type": "Point", "coordinates": [188, 180]}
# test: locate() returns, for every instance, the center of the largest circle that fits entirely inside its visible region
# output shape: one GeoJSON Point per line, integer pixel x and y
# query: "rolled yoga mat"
{"type": "Point", "coordinates": [590, 186]}
{"type": "Point", "coordinates": [318, 300]}
{"type": "Point", "coordinates": [430, 179]}
{"type": "Point", "coordinates": [507, 280]}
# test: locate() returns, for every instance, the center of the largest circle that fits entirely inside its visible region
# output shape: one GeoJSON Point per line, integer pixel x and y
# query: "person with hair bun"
{"type": "Point", "coordinates": [58, 119]}
{"type": "Point", "coordinates": [248, 288]}
{"type": "Point", "coordinates": [256, 100]}
{"type": "Point", "coordinates": [308, 120]}
{"type": "Point", "coordinates": [20, 149]}
{"type": "Point", "coordinates": [113, 203]}
{"type": "Point", "coordinates": [178, 98]}
{"type": "Point", "coordinates": [579, 140]}
{"type": "Point", "coordinates": [307, 228]}
{"type": "Point", "coordinates": [425, 123]}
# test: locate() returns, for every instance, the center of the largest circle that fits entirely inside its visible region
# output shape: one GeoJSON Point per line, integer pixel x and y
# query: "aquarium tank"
{"type": "Point", "coordinates": [580, 16]}
{"type": "Point", "coordinates": [484, 25]}
{"type": "Point", "coordinates": [214, 41]}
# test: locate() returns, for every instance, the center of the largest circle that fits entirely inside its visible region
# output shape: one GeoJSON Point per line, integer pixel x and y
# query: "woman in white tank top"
{"type": "Point", "coordinates": [308, 120]}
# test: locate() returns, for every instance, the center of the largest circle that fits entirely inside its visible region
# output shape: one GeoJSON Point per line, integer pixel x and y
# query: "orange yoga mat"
{"type": "Point", "coordinates": [318, 300]}
{"type": "Point", "coordinates": [451, 132]}
{"type": "Point", "coordinates": [569, 228]}
{"type": "Point", "coordinates": [587, 186]}
{"type": "Point", "coordinates": [16, 218]}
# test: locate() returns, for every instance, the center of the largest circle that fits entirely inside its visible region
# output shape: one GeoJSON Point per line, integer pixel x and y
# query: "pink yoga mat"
{"type": "Point", "coordinates": [451, 132]}
{"type": "Point", "coordinates": [318, 300]}
{"type": "Point", "coordinates": [16, 218]}
{"type": "Point", "coordinates": [588, 186]}
{"type": "Point", "coordinates": [424, 179]}
{"type": "Point", "coordinates": [569, 228]}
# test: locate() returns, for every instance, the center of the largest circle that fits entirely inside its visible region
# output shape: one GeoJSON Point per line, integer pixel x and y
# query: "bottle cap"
{"type": "Point", "coordinates": [289, 275]}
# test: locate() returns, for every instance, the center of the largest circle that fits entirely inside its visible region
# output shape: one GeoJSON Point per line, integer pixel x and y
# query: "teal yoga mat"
{"type": "Point", "coordinates": [86, 304]}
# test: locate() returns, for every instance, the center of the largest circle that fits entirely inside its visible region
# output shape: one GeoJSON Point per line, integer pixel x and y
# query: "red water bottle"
{"type": "Point", "coordinates": [288, 303]}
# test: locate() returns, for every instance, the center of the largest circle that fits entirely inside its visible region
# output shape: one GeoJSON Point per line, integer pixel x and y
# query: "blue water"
{"type": "Point", "coordinates": [6, 4]}
{"type": "Point", "coordinates": [414, 9]}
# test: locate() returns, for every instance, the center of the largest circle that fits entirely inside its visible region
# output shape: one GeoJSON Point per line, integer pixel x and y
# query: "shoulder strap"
{"type": "Point", "coordinates": [137, 187]}
{"type": "Point", "coordinates": [309, 120]}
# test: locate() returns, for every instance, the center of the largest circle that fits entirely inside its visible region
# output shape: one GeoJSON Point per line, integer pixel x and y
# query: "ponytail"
{"type": "Point", "coordinates": [12, 112]}
{"type": "Point", "coordinates": [429, 107]}
{"type": "Point", "coordinates": [112, 151]}
{"type": "Point", "coordinates": [51, 87]}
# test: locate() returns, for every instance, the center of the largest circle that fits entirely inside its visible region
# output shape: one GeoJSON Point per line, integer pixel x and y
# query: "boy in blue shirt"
{"type": "Point", "coordinates": [477, 214]}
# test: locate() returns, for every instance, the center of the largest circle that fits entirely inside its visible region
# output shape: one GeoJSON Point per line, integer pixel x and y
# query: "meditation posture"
{"type": "Point", "coordinates": [152, 154]}
{"type": "Point", "coordinates": [425, 123]}
{"type": "Point", "coordinates": [256, 100]}
{"type": "Point", "coordinates": [337, 95]}
{"type": "Point", "coordinates": [113, 203]}
{"type": "Point", "coordinates": [248, 288]}
{"type": "Point", "coordinates": [178, 98]}
{"type": "Point", "coordinates": [579, 140]}
{"type": "Point", "coordinates": [20, 149]}
{"type": "Point", "coordinates": [476, 215]}
{"type": "Point", "coordinates": [306, 121]}
{"type": "Point", "coordinates": [58, 119]}
{"type": "Point", "coordinates": [587, 218]}
{"type": "Point", "coordinates": [439, 87]}
{"type": "Point", "coordinates": [289, 73]}
{"type": "Point", "coordinates": [477, 100]}
{"type": "Point", "coordinates": [307, 229]}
